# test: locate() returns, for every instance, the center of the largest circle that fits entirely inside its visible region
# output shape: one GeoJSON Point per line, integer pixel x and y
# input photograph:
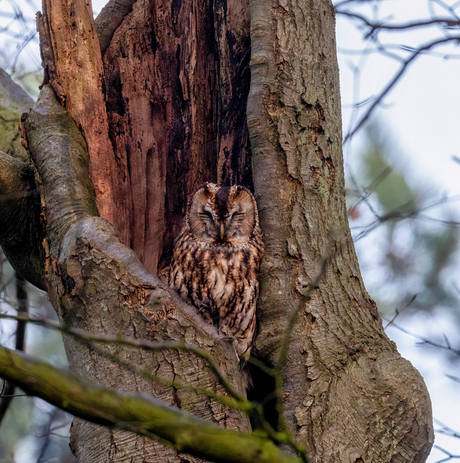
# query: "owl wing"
{"type": "Point", "coordinates": [188, 275]}
{"type": "Point", "coordinates": [237, 313]}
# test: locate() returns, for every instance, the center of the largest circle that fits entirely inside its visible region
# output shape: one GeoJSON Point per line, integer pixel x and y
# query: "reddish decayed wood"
{"type": "Point", "coordinates": [176, 81]}
{"type": "Point", "coordinates": [78, 83]}
{"type": "Point", "coordinates": [177, 76]}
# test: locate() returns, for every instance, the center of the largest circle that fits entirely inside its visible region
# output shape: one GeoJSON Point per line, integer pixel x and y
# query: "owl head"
{"type": "Point", "coordinates": [222, 215]}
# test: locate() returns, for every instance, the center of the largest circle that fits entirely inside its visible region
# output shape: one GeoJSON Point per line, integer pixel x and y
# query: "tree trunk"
{"type": "Point", "coordinates": [97, 284]}
{"type": "Point", "coordinates": [345, 385]}
{"type": "Point", "coordinates": [176, 84]}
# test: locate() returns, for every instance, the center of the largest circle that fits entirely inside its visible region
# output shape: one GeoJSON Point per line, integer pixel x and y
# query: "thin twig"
{"type": "Point", "coordinates": [398, 311]}
{"type": "Point", "coordinates": [130, 342]}
{"type": "Point", "coordinates": [399, 214]}
{"type": "Point", "coordinates": [427, 341]}
{"type": "Point", "coordinates": [395, 79]}
{"type": "Point", "coordinates": [446, 430]}
{"type": "Point", "coordinates": [374, 26]}
{"type": "Point", "coordinates": [450, 456]}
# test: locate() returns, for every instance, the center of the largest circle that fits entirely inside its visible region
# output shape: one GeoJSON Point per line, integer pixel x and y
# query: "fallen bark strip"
{"type": "Point", "coordinates": [139, 413]}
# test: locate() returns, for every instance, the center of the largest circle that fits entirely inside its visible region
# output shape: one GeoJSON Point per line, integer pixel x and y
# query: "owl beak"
{"type": "Point", "coordinates": [222, 231]}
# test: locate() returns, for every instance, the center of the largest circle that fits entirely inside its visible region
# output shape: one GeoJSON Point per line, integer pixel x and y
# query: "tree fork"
{"type": "Point", "coordinates": [93, 280]}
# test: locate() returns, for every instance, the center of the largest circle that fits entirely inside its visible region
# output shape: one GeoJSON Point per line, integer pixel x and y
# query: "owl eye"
{"type": "Point", "coordinates": [237, 215]}
{"type": "Point", "coordinates": [206, 215]}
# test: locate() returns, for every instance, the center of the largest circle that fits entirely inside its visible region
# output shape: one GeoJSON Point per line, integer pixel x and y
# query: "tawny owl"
{"type": "Point", "coordinates": [216, 259]}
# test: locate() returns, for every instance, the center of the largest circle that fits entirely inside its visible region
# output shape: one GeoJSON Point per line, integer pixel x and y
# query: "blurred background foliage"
{"type": "Point", "coordinates": [405, 229]}
{"type": "Point", "coordinates": [19, 53]}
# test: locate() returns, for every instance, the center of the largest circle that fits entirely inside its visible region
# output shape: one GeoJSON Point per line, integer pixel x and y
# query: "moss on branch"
{"type": "Point", "coordinates": [139, 413]}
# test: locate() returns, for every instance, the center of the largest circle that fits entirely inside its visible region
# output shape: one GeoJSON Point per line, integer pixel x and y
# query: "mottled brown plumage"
{"type": "Point", "coordinates": [216, 258]}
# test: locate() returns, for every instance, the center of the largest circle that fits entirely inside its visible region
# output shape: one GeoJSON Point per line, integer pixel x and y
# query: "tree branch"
{"type": "Point", "coordinates": [109, 19]}
{"type": "Point", "coordinates": [375, 26]}
{"type": "Point", "coordinates": [392, 83]}
{"type": "Point", "coordinates": [139, 413]}
{"type": "Point", "coordinates": [21, 228]}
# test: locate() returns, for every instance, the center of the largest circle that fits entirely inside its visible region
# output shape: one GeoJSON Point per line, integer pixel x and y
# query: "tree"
{"type": "Point", "coordinates": [177, 94]}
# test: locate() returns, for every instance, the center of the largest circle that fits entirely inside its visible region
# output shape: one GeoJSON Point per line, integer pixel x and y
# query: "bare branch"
{"type": "Point", "coordinates": [398, 311]}
{"type": "Point", "coordinates": [450, 456]}
{"type": "Point", "coordinates": [401, 213]}
{"type": "Point", "coordinates": [374, 26]}
{"type": "Point", "coordinates": [427, 341]}
{"type": "Point", "coordinates": [446, 430]}
{"type": "Point", "coordinates": [395, 79]}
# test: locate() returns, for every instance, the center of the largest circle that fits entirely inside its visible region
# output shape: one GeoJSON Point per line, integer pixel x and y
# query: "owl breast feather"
{"type": "Point", "coordinates": [221, 281]}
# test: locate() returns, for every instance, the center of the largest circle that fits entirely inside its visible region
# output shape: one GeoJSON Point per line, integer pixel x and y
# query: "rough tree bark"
{"type": "Point", "coordinates": [176, 85]}
{"type": "Point", "coordinates": [342, 374]}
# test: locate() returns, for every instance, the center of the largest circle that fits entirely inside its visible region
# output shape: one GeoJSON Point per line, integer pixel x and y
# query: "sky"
{"type": "Point", "coordinates": [422, 115]}
{"type": "Point", "coordinates": [423, 110]}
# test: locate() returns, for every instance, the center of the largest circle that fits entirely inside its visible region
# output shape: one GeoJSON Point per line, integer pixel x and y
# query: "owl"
{"type": "Point", "coordinates": [216, 259]}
